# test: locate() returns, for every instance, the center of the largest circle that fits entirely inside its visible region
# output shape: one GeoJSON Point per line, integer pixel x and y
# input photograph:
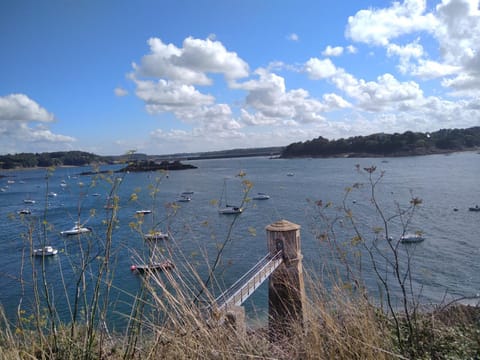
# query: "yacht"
{"type": "Point", "coordinates": [45, 251]}
{"type": "Point", "coordinates": [76, 229]}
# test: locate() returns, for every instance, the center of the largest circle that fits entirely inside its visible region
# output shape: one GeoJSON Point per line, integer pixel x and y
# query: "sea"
{"type": "Point", "coordinates": [323, 196]}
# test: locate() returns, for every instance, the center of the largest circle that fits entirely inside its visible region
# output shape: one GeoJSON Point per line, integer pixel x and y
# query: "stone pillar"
{"type": "Point", "coordinates": [286, 291]}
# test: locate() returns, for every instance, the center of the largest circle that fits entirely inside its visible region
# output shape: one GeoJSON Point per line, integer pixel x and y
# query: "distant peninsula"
{"type": "Point", "coordinates": [380, 145]}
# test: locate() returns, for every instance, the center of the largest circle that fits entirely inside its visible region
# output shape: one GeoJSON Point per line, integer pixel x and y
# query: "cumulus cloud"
{"type": "Point", "coordinates": [405, 54]}
{"type": "Point", "coordinates": [351, 49]}
{"type": "Point", "coordinates": [120, 92]}
{"type": "Point", "coordinates": [386, 93]}
{"type": "Point", "coordinates": [458, 35]}
{"type": "Point", "coordinates": [429, 69]}
{"type": "Point", "coordinates": [23, 123]}
{"type": "Point", "coordinates": [191, 63]}
{"type": "Point", "coordinates": [272, 104]}
{"type": "Point", "coordinates": [380, 26]}
{"type": "Point", "coordinates": [21, 107]}
{"type": "Point", "coordinates": [332, 51]}
{"type": "Point", "coordinates": [168, 80]}
{"type": "Point", "coordinates": [454, 24]}
{"type": "Point", "coordinates": [320, 69]}
{"type": "Point", "coordinates": [163, 95]}
{"type": "Point", "coordinates": [176, 79]}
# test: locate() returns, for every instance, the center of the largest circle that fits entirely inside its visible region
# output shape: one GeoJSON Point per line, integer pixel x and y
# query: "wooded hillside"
{"type": "Point", "coordinates": [408, 143]}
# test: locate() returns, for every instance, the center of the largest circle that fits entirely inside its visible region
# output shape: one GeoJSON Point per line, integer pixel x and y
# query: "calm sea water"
{"type": "Point", "coordinates": [446, 263]}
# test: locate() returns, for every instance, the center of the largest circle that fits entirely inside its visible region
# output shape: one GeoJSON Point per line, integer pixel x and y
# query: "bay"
{"type": "Point", "coordinates": [446, 263]}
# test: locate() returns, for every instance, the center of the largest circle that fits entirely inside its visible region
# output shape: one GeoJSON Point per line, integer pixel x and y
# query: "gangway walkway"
{"type": "Point", "coordinates": [249, 282]}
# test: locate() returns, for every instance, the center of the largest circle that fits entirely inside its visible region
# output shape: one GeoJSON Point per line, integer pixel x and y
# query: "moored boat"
{"type": "Point", "coordinates": [227, 209]}
{"type": "Point", "coordinates": [157, 266]}
{"type": "Point", "coordinates": [76, 229]}
{"type": "Point", "coordinates": [261, 196]}
{"type": "Point", "coordinates": [411, 238]}
{"type": "Point", "coordinates": [156, 235]}
{"type": "Point", "coordinates": [184, 198]}
{"type": "Point", "coordinates": [45, 251]}
{"type": "Point", "coordinates": [143, 212]}
{"type": "Point", "coordinates": [230, 210]}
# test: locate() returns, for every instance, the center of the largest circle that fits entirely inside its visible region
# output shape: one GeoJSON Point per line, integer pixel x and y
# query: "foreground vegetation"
{"type": "Point", "coordinates": [342, 321]}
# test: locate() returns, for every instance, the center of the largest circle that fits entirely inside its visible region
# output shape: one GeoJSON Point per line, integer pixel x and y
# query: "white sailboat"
{"type": "Point", "coordinates": [228, 209]}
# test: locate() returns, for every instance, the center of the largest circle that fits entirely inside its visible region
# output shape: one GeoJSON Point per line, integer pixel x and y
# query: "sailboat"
{"type": "Point", "coordinates": [228, 209]}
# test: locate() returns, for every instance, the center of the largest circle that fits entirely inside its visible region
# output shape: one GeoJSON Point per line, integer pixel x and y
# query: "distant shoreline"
{"type": "Point", "coordinates": [351, 155]}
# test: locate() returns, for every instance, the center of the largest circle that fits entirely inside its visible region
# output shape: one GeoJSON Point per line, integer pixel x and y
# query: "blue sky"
{"type": "Point", "coordinates": [163, 77]}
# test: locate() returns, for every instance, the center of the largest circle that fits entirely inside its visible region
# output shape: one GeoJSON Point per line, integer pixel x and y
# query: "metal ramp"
{"type": "Point", "coordinates": [249, 282]}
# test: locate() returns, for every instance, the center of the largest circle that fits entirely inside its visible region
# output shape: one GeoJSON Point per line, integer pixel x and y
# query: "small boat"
{"type": "Point", "coordinates": [230, 210]}
{"type": "Point", "coordinates": [45, 251]}
{"type": "Point", "coordinates": [184, 198]}
{"type": "Point", "coordinates": [52, 194]}
{"type": "Point", "coordinates": [143, 212]}
{"type": "Point", "coordinates": [156, 235]}
{"type": "Point", "coordinates": [290, 174]}
{"type": "Point", "coordinates": [25, 212]}
{"type": "Point", "coordinates": [411, 238]}
{"type": "Point", "coordinates": [261, 196]}
{"type": "Point", "coordinates": [475, 208]}
{"type": "Point", "coordinates": [96, 194]}
{"type": "Point", "coordinates": [157, 266]}
{"type": "Point", "coordinates": [75, 230]}
{"type": "Point", "coordinates": [29, 201]}
{"type": "Point", "coordinates": [187, 193]}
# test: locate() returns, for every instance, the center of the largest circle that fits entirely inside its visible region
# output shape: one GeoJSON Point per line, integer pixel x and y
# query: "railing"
{"type": "Point", "coordinates": [249, 282]}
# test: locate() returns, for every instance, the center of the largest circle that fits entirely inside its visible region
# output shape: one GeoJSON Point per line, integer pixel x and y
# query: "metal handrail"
{"type": "Point", "coordinates": [251, 279]}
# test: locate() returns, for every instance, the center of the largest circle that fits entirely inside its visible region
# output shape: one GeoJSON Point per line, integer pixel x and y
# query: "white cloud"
{"type": "Point", "coordinates": [379, 26]}
{"type": "Point", "coordinates": [383, 94]}
{"type": "Point", "coordinates": [23, 126]}
{"type": "Point", "coordinates": [163, 96]}
{"type": "Point", "coordinates": [405, 54]}
{"type": "Point", "coordinates": [351, 49]}
{"type": "Point", "coordinates": [429, 69]}
{"type": "Point", "coordinates": [459, 39]}
{"type": "Point", "coordinates": [273, 104]}
{"type": "Point", "coordinates": [21, 107]}
{"type": "Point", "coordinates": [293, 37]}
{"type": "Point", "coordinates": [412, 50]}
{"type": "Point", "coordinates": [332, 51]}
{"type": "Point", "coordinates": [320, 69]}
{"type": "Point", "coordinates": [334, 101]}
{"type": "Point", "coordinates": [120, 92]}
{"type": "Point", "coordinates": [192, 63]}
{"type": "Point", "coordinates": [386, 94]}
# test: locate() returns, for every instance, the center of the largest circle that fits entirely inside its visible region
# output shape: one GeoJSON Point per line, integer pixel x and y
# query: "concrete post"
{"type": "Point", "coordinates": [286, 291]}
